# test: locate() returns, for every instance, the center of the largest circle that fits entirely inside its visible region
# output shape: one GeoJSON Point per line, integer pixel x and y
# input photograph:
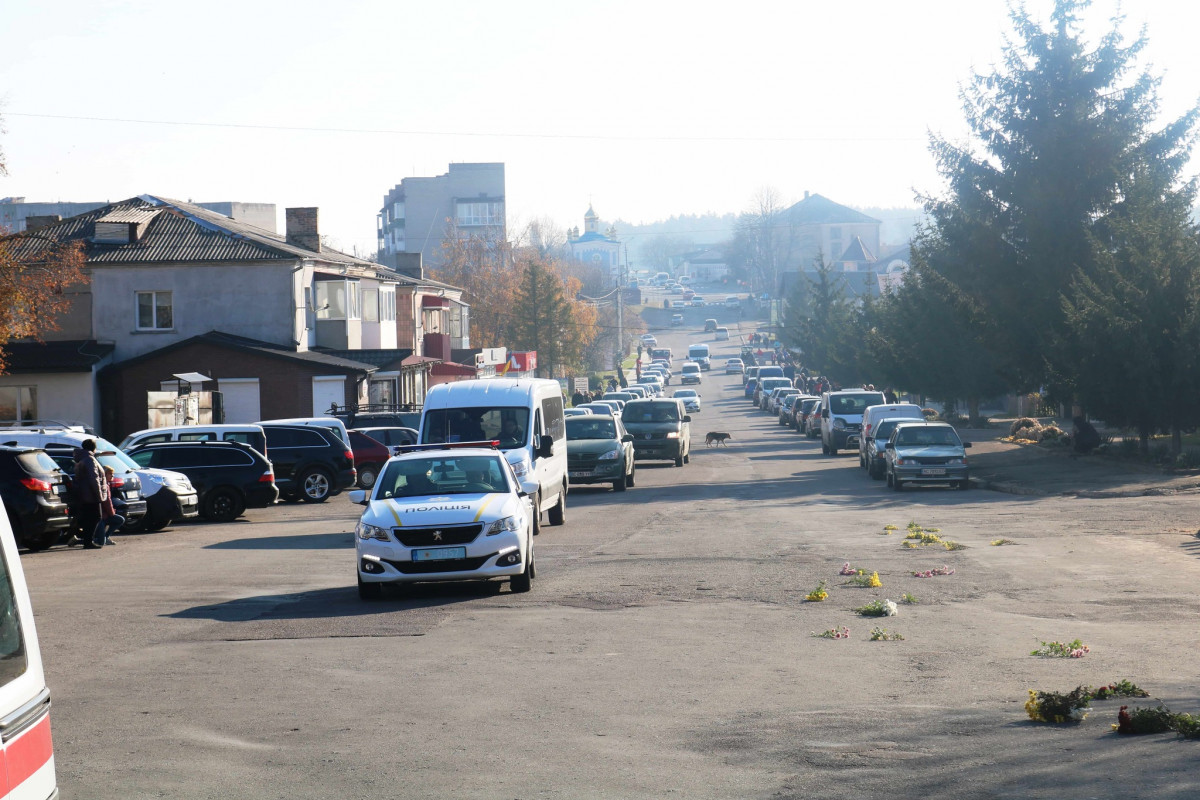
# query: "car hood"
{"type": "Point", "coordinates": [591, 445]}
{"type": "Point", "coordinates": [451, 509]}
{"type": "Point", "coordinates": [931, 450]}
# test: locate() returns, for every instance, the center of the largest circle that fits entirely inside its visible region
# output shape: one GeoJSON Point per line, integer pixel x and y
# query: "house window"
{"type": "Point", "coordinates": [370, 310]}
{"type": "Point", "coordinates": [387, 305]}
{"type": "Point", "coordinates": [398, 211]}
{"type": "Point", "coordinates": [154, 311]}
{"type": "Point", "coordinates": [485, 213]}
{"type": "Point", "coordinates": [18, 403]}
{"type": "Point", "coordinates": [338, 300]}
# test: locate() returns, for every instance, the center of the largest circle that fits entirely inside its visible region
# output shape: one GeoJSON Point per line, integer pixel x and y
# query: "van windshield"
{"type": "Point", "coordinates": [509, 424]}
{"type": "Point", "coordinates": [651, 412]}
{"type": "Point", "coordinates": [853, 403]}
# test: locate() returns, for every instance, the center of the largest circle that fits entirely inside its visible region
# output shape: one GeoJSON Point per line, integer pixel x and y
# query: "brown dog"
{"type": "Point", "coordinates": [717, 437]}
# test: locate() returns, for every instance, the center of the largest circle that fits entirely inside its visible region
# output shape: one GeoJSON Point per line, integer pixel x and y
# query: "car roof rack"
{"type": "Point", "coordinates": [401, 449]}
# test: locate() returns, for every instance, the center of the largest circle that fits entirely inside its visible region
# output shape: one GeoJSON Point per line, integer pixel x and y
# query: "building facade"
{"type": "Point", "coordinates": [14, 211]}
{"type": "Point", "coordinates": [419, 214]}
{"type": "Point", "coordinates": [601, 250]}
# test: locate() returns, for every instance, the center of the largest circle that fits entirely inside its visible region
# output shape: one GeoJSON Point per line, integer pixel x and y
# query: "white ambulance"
{"type": "Point", "coordinates": [26, 749]}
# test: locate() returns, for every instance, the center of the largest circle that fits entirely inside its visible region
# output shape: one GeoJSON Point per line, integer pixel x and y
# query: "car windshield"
{"type": "Point", "coordinates": [807, 405]}
{"type": "Point", "coordinates": [438, 475]}
{"type": "Point", "coordinates": [686, 393]}
{"type": "Point", "coordinates": [922, 436]}
{"type": "Point", "coordinates": [508, 424]}
{"type": "Point", "coordinates": [584, 428]}
{"type": "Point", "coordinates": [651, 412]}
{"type": "Point", "coordinates": [853, 403]}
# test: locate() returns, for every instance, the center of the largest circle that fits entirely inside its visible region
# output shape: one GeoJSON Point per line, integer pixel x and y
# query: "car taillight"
{"type": "Point", "coordinates": [267, 477]}
{"type": "Point", "coordinates": [35, 484]}
{"type": "Point", "coordinates": [117, 483]}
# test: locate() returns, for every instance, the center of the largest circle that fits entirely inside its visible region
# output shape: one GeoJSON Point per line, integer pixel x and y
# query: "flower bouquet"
{"type": "Point", "coordinates": [1057, 707]}
{"type": "Point", "coordinates": [1121, 688]}
{"type": "Point", "coordinates": [862, 579]}
{"type": "Point", "coordinates": [818, 594]}
{"type": "Point", "coordinates": [882, 635]}
{"type": "Point", "coordinates": [849, 570]}
{"type": "Point", "coordinates": [833, 633]}
{"type": "Point", "coordinates": [929, 573]}
{"type": "Point", "coordinates": [878, 608]}
{"type": "Point", "coordinates": [1073, 649]}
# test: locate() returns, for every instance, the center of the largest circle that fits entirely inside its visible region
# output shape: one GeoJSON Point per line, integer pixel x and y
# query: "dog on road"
{"type": "Point", "coordinates": [716, 437]}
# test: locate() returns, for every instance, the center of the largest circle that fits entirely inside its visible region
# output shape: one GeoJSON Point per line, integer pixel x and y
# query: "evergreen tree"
{"type": "Point", "coordinates": [1058, 125]}
{"type": "Point", "coordinates": [820, 321]}
{"type": "Point", "coordinates": [543, 318]}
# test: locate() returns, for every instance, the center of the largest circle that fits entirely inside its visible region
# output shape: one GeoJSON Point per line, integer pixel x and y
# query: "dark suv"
{"type": "Point", "coordinates": [229, 476]}
{"type": "Point", "coordinates": [311, 463]}
{"type": "Point", "coordinates": [30, 485]}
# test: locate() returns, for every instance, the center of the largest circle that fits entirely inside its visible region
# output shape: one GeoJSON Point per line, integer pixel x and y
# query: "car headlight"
{"type": "Point", "coordinates": [957, 462]}
{"type": "Point", "coordinates": [520, 468]}
{"type": "Point", "coordinates": [611, 455]}
{"type": "Point", "coordinates": [366, 531]}
{"type": "Point", "coordinates": [500, 526]}
{"type": "Point", "coordinates": [673, 435]}
{"type": "Point", "coordinates": [839, 423]}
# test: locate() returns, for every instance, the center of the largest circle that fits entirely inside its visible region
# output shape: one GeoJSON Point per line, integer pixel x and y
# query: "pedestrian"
{"type": "Point", "coordinates": [90, 490]}
{"type": "Point", "coordinates": [110, 520]}
{"type": "Point", "coordinates": [578, 399]}
{"type": "Point", "coordinates": [889, 396]}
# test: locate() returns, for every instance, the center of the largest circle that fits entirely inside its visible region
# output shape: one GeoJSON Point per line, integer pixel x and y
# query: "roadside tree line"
{"type": "Point", "coordinates": [1063, 256]}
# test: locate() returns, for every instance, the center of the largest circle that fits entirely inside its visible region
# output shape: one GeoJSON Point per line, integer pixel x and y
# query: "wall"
{"type": "Point", "coordinates": [66, 396]}
{"type": "Point", "coordinates": [253, 300]}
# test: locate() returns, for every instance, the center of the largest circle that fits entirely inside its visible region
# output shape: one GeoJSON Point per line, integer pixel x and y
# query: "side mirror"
{"type": "Point", "coordinates": [529, 488]}
{"type": "Point", "coordinates": [889, 446]}
{"type": "Point", "coordinates": [966, 444]}
{"type": "Point", "coordinates": [545, 447]}
{"type": "Point", "coordinates": [358, 496]}
{"type": "Point", "coordinates": [824, 413]}
{"type": "Point", "coordinates": [627, 437]}
{"type": "Point", "coordinates": [687, 418]}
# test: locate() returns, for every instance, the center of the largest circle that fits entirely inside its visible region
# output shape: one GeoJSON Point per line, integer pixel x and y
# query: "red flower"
{"type": "Point", "coordinates": [1124, 722]}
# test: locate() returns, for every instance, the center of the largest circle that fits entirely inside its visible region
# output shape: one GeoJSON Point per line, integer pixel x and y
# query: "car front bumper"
{"type": "Point", "coordinates": [931, 474]}
{"type": "Point", "coordinates": [388, 562]}
{"type": "Point", "coordinates": [602, 472]}
{"type": "Point", "coordinates": [658, 449]}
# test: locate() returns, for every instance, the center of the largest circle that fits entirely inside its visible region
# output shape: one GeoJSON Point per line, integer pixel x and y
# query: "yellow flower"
{"type": "Point", "coordinates": [875, 582]}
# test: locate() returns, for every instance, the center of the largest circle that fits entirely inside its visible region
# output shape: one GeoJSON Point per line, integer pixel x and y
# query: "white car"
{"type": "Point", "coordinates": [690, 398]}
{"type": "Point", "coordinates": [649, 340]}
{"type": "Point", "coordinates": [734, 366]}
{"type": "Point", "coordinates": [445, 514]}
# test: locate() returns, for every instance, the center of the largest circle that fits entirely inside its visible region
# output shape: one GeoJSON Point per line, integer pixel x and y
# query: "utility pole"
{"type": "Point", "coordinates": [621, 306]}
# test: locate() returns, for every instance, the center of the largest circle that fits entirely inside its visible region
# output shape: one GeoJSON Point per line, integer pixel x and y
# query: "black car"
{"type": "Point", "coordinates": [31, 485]}
{"type": "Point", "coordinates": [380, 419]}
{"type": "Point", "coordinates": [229, 476]}
{"type": "Point", "coordinates": [311, 463]}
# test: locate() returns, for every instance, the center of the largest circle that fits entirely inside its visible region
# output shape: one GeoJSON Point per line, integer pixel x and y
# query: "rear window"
{"type": "Point", "coordinates": [294, 437]}
{"type": "Point", "coordinates": [37, 461]}
{"type": "Point", "coordinates": [854, 403]}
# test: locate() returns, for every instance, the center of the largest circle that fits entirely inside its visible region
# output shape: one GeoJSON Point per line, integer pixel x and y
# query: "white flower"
{"type": "Point", "coordinates": [890, 609]}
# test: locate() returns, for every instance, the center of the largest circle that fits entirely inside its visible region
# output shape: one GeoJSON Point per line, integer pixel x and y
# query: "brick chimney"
{"type": "Point", "coordinates": [33, 223]}
{"type": "Point", "coordinates": [302, 229]}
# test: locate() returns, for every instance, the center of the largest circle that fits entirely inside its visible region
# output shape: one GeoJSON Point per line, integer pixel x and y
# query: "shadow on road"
{"type": "Point", "coordinates": [319, 541]}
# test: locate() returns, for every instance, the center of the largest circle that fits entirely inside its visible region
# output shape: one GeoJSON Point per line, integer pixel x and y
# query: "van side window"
{"type": "Point", "coordinates": [552, 416]}
{"type": "Point", "coordinates": [13, 662]}
{"type": "Point", "coordinates": [196, 437]}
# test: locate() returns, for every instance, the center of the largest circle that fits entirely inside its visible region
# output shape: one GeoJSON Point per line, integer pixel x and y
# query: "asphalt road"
{"type": "Point", "coordinates": [665, 650]}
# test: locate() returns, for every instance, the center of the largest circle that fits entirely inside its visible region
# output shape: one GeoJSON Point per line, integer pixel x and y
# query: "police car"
{"type": "Point", "coordinates": [445, 513]}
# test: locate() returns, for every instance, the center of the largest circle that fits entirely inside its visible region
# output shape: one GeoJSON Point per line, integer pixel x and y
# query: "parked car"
{"type": "Point", "coordinates": [638, 390]}
{"type": "Point", "coordinates": [380, 419]}
{"type": "Point", "coordinates": [776, 398]}
{"type": "Point", "coordinates": [710, 325]}
{"type": "Point", "coordinates": [370, 455]}
{"type": "Point", "coordinates": [841, 418]}
{"type": "Point", "coordinates": [926, 452]}
{"type": "Point", "coordinates": [600, 450]}
{"type": "Point", "coordinates": [661, 428]}
{"type": "Point", "coordinates": [610, 408]}
{"type": "Point", "coordinates": [785, 408]}
{"type": "Point", "coordinates": [721, 335]}
{"type": "Point", "coordinates": [311, 462]}
{"type": "Point", "coordinates": [690, 398]}
{"type": "Point", "coordinates": [392, 437]}
{"type": "Point", "coordinates": [483, 529]}
{"type": "Point", "coordinates": [871, 417]}
{"type": "Point", "coordinates": [576, 412]}
{"type": "Point", "coordinates": [801, 410]}
{"type": "Point", "coordinates": [734, 366]}
{"type": "Point", "coordinates": [33, 487]}
{"type": "Point", "coordinates": [876, 441]}
{"type": "Point", "coordinates": [653, 384]}
{"type": "Point", "coordinates": [649, 340]}
{"type": "Point", "coordinates": [677, 319]}
{"type": "Point", "coordinates": [767, 384]}
{"type": "Point", "coordinates": [812, 423]}
{"type": "Point", "coordinates": [623, 396]}
{"type": "Point", "coordinates": [229, 476]}
{"type": "Point", "coordinates": [246, 434]}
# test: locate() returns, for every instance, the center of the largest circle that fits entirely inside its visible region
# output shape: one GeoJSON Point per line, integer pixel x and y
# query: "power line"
{"type": "Point", "coordinates": [471, 134]}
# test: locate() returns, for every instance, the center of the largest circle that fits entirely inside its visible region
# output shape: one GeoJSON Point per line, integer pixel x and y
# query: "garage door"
{"type": "Point", "coordinates": [241, 400]}
{"type": "Point", "coordinates": [327, 391]}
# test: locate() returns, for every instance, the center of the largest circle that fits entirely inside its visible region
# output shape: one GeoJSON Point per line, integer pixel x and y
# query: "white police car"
{"type": "Point", "coordinates": [445, 513]}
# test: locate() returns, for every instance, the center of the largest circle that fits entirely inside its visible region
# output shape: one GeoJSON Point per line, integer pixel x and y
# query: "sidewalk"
{"type": "Point", "coordinates": [1033, 470]}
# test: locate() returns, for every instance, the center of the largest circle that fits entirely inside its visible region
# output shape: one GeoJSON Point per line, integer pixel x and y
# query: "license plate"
{"type": "Point", "coordinates": [579, 474]}
{"type": "Point", "coordinates": [439, 553]}
{"type": "Point", "coordinates": [933, 472]}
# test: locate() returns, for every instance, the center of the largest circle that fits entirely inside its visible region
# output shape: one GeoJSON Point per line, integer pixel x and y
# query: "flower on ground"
{"type": "Point", "coordinates": [833, 633]}
{"type": "Point", "coordinates": [929, 573]}
{"type": "Point", "coordinates": [848, 570]}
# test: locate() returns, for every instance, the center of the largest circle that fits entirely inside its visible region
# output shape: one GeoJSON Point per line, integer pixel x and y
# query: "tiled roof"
{"type": "Point", "coordinates": [820, 210]}
{"type": "Point", "coordinates": [79, 355]}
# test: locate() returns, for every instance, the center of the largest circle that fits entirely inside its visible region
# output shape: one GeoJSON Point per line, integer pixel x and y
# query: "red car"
{"type": "Point", "coordinates": [369, 457]}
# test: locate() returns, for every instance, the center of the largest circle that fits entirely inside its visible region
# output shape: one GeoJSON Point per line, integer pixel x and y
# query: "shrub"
{"type": "Point", "coordinates": [1188, 459]}
{"type": "Point", "coordinates": [1160, 453]}
{"type": "Point", "coordinates": [1021, 424]}
{"type": "Point", "coordinates": [929, 413]}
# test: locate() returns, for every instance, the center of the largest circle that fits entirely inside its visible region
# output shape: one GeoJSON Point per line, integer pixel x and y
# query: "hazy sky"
{"type": "Point", "coordinates": [646, 109]}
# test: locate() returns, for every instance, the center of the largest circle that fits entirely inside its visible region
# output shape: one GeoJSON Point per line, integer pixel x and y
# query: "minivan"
{"type": "Point", "coordinates": [524, 414]}
{"type": "Point", "coordinates": [246, 434]}
{"type": "Point", "coordinates": [25, 746]}
{"type": "Point", "coordinates": [841, 418]}
{"type": "Point", "coordinates": [229, 476]}
{"type": "Point", "coordinates": [661, 429]}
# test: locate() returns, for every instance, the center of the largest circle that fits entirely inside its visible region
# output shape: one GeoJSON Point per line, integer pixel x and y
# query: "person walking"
{"type": "Point", "coordinates": [110, 520]}
{"type": "Point", "coordinates": [90, 492]}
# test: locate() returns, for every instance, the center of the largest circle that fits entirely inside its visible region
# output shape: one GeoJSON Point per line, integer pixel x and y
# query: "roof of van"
{"type": "Point", "coordinates": [494, 391]}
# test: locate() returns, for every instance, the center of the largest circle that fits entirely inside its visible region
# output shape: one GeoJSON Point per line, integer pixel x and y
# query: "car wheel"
{"type": "Point", "coordinates": [524, 581]}
{"type": "Point", "coordinates": [369, 591]}
{"type": "Point", "coordinates": [537, 514]}
{"type": "Point", "coordinates": [679, 461]}
{"type": "Point", "coordinates": [875, 472]}
{"type": "Point", "coordinates": [142, 525]}
{"type": "Point", "coordinates": [824, 449]}
{"type": "Point", "coordinates": [619, 484]}
{"type": "Point", "coordinates": [222, 505]}
{"type": "Point", "coordinates": [687, 458]}
{"type": "Point", "coordinates": [156, 525]}
{"type": "Point", "coordinates": [629, 477]}
{"type": "Point", "coordinates": [896, 484]}
{"type": "Point", "coordinates": [558, 514]}
{"type": "Point", "coordinates": [964, 484]}
{"type": "Point", "coordinates": [316, 486]}
{"type": "Point", "coordinates": [367, 475]}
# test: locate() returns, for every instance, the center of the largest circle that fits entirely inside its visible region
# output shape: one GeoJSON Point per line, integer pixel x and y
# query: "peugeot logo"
{"type": "Point", "coordinates": [437, 536]}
